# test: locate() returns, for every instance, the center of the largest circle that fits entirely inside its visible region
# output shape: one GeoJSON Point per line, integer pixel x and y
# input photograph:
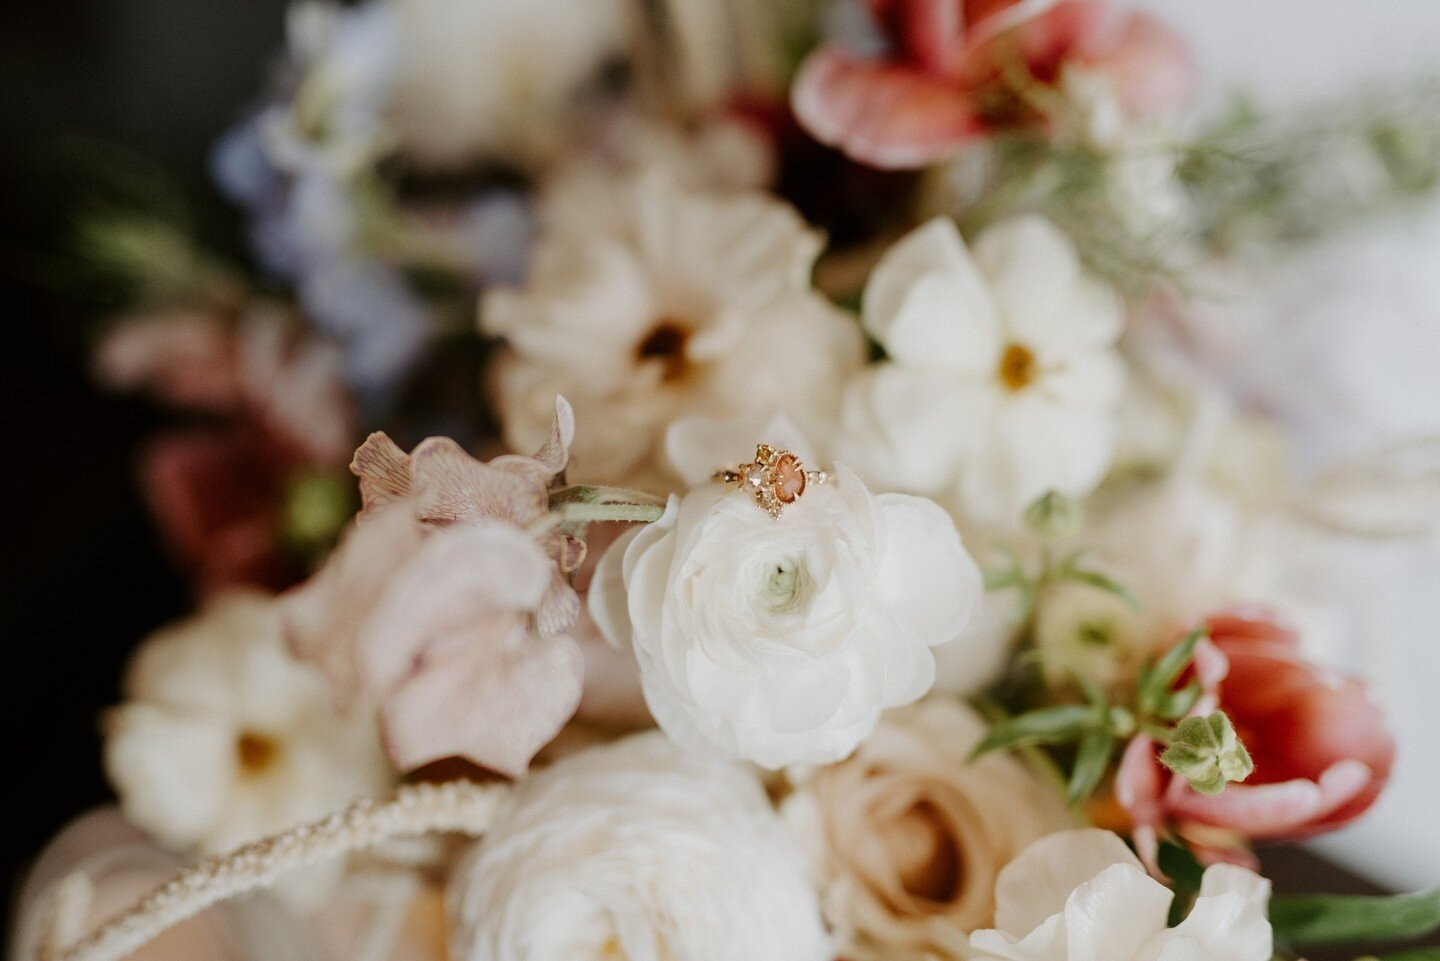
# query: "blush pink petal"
{"type": "Point", "coordinates": [1138, 790]}
{"type": "Point", "coordinates": [493, 699]}
{"type": "Point", "coordinates": [929, 33]}
{"type": "Point", "coordinates": [883, 114]}
{"type": "Point", "coordinates": [1288, 809]}
{"type": "Point", "coordinates": [1153, 68]}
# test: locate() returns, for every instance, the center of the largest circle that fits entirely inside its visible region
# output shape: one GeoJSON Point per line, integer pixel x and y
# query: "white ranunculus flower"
{"type": "Point", "coordinates": [782, 640]}
{"type": "Point", "coordinates": [1083, 896]}
{"type": "Point", "coordinates": [1002, 377]}
{"type": "Point", "coordinates": [223, 738]}
{"type": "Point", "coordinates": [498, 78]}
{"type": "Point", "coordinates": [637, 850]}
{"type": "Point", "coordinates": [909, 835]}
{"type": "Point", "coordinates": [679, 303]}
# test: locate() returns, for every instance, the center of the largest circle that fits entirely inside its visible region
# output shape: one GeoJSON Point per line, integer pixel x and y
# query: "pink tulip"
{"type": "Point", "coordinates": [943, 80]}
{"type": "Point", "coordinates": [1321, 749]}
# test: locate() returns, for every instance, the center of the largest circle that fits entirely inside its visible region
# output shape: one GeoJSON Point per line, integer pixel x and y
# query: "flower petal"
{"type": "Point", "coordinates": [1285, 810]}
{"type": "Point", "coordinates": [1038, 883]}
{"type": "Point", "coordinates": [927, 302]}
{"type": "Point", "coordinates": [494, 703]}
{"type": "Point", "coordinates": [925, 576]}
{"type": "Point", "coordinates": [477, 574]}
{"type": "Point", "coordinates": [1033, 270]}
{"type": "Point", "coordinates": [882, 114]}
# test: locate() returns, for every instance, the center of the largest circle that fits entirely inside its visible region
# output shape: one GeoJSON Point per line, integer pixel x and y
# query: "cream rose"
{"type": "Point", "coordinates": [637, 850]}
{"type": "Point", "coordinates": [908, 838]}
{"type": "Point", "coordinates": [781, 640]}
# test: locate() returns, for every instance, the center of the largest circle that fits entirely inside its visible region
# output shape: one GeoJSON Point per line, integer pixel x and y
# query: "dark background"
{"type": "Point", "coordinates": [83, 576]}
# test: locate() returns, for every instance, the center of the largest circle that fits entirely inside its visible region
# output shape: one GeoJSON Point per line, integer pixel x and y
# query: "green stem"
{"type": "Point", "coordinates": [574, 512]}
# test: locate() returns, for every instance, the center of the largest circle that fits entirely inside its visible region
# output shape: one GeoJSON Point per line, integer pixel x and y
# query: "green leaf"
{"type": "Point", "coordinates": [1408, 954]}
{"type": "Point", "coordinates": [1070, 570]}
{"type": "Point", "coordinates": [1318, 919]}
{"type": "Point", "coordinates": [1176, 704]}
{"type": "Point", "coordinates": [1091, 764]}
{"type": "Point", "coordinates": [1157, 679]}
{"type": "Point", "coordinates": [1050, 725]}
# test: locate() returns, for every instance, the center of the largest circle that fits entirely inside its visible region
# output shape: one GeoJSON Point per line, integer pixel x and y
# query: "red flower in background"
{"type": "Point", "coordinates": [943, 78]}
{"type": "Point", "coordinates": [1321, 749]}
{"type": "Point", "coordinates": [216, 496]}
{"type": "Point", "coordinates": [273, 408]}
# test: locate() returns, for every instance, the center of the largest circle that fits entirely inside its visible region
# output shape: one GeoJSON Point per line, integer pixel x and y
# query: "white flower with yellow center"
{"type": "Point", "coordinates": [681, 303]}
{"type": "Point", "coordinates": [223, 738]}
{"type": "Point", "coordinates": [1002, 377]}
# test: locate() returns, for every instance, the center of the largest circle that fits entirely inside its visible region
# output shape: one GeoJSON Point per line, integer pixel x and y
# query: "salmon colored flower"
{"type": "Point", "coordinates": [1321, 749]}
{"type": "Point", "coordinates": [952, 70]}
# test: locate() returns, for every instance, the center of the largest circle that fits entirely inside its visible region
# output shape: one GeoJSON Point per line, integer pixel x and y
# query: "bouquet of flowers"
{"type": "Point", "coordinates": [922, 555]}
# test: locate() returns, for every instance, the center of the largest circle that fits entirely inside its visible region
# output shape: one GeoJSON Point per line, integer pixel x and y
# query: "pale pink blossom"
{"type": "Point", "coordinates": [1321, 749]}
{"type": "Point", "coordinates": [445, 605]}
{"type": "Point", "coordinates": [945, 77]}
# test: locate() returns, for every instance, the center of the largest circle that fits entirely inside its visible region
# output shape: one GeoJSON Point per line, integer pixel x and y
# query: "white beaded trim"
{"type": "Point", "coordinates": [455, 806]}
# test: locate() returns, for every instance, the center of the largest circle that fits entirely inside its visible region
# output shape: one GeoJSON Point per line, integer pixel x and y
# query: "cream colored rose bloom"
{"type": "Point", "coordinates": [637, 850]}
{"type": "Point", "coordinates": [909, 838]}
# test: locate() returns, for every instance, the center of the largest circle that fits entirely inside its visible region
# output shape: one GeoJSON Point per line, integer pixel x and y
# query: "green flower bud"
{"type": "Point", "coordinates": [317, 505]}
{"type": "Point", "coordinates": [1053, 516]}
{"type": "Point", "coordinates": [1206, 752]}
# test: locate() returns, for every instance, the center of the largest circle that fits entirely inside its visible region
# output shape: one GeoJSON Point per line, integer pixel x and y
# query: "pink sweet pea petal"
{"type": "Point", "coordinates": [494, 700]}
{"type": "Point", "coordinates": [883, 114]}
{"type": "Point", "coordinates": [449, 650]}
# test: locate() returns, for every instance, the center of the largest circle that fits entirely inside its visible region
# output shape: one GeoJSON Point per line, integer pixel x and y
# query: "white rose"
{"type": "Point", "coordinates": [1083, 895]}
{"type": "Point", "coordinates": [782, 640]}
{"type": "Point", "coordinates": [909, 836]}
{"type": "Point", "coordinates": [637, 850]}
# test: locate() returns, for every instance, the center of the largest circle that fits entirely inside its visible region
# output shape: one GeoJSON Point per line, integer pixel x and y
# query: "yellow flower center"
{"type": "Point", "coordinates": [255, 752]}
{"type": "Point", "coordinates": [665, 344]}
{"type": "Point", "coordinates": [1017, 367]}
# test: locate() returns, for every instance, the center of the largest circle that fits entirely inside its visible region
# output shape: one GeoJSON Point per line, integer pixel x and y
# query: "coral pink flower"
{"type": "Point", "coordinates": [444, 609]}
{"type": "Point", "coordinates": [944, 80]}
{"type": "Point", "coordinates": [1321, 749]}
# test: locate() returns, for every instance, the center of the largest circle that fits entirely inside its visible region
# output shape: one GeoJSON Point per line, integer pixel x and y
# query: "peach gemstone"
{"type": "Point", "coordinates": [789, 478]}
